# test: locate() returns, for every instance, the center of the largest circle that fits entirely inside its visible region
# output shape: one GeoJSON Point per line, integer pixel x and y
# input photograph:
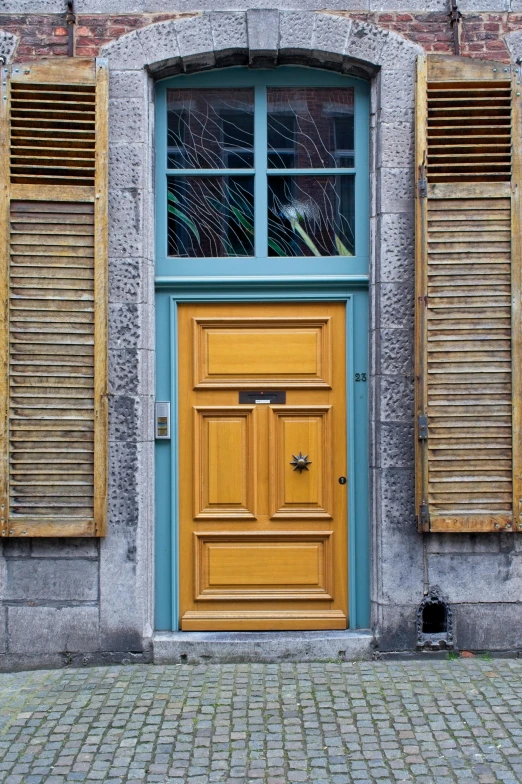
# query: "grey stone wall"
{"type": "Point", "coordinates": [82, 600]}
{"type": "Point", "coordinates": [91, 600]}
{"type": "Point", "coordinates": [7, 46]}
{"type": "Point", "coordinates": [148, 6]}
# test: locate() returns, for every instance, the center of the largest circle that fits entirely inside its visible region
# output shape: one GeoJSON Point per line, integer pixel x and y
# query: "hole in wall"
{"type": "Point", "coordinates": [435, 618]}
{"type": "Point", "coordinates": [434, 623]}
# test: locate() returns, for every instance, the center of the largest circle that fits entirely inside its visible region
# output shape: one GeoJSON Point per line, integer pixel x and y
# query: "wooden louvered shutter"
{"type": "Point", "coordinates": [53, 323]}
{"type": "Point", "coordinates": [467, 342]}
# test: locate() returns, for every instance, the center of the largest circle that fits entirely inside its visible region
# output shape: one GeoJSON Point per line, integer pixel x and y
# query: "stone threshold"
{"type": "Point", "coordinates": [261, 647]}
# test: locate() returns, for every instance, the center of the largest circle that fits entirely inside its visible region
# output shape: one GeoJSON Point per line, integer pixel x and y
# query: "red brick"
{"type": "Point", "coordinates": [83, 30]}
{"type": "Point", "coordinates": [86, 51]}
{"type": "Point", "coordinates": [42, 35]}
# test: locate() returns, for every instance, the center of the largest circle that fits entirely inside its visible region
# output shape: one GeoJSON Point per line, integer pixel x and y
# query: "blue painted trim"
{"type": "Point", "coordinates": [160, 178]}
{"type": "Point", "coordinates": [350, 446]}
{"type": "Point", "coordinates": [164, 486]}
{"type": "Point", "coordinates": [298, 286]}
{"type": "Point", "coordinates": [362, 174]}
{"type": "Point", "coordinates": [341, 289]}
{"type": "Point", "coordinates": [287, 76]}
{"type": "Point", "coordinates": [271, 266]}
{"type": "Point", "coordinates": [360, 543]}
{"type": "Point", "coordinates": [282, 76]}
{"type": "Point", "coordinates": [174, 459]}
{"type": "Point", "coordinates": [239, 279]}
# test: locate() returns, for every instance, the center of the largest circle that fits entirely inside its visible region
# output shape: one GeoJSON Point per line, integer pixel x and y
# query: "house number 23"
{"type": "Point", "coordinates": [360, 376]}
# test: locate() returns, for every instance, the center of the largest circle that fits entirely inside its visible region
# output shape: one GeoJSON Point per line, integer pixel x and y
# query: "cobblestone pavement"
{"type": "Point", "coordinates": [439, 722]}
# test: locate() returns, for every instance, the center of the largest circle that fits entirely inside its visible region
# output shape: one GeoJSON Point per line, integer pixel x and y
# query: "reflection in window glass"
{"type": "Point", "coordinates": [282, 142]}
{"type": "Point", "coordinates": [210, 217]}
{"type": "Point", "coordinates": [311, 215]}
{"type": "Point", "coordinates": [309, 127]}
{"type": "Point", "coordinates": [210, 128]}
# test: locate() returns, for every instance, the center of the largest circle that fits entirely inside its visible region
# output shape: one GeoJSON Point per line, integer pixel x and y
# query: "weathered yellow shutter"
{"type": "Point", "coordinates": [53, 320]}
{"type": "Point", "coordinates": [467, 326]}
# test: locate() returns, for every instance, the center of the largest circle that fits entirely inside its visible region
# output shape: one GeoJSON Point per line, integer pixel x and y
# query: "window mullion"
{"type": "Point", "coordinates": [260, 163]}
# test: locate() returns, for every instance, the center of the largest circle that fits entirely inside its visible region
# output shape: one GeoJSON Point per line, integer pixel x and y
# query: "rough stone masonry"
{"type": "Point", "coordinates": [74, 600]}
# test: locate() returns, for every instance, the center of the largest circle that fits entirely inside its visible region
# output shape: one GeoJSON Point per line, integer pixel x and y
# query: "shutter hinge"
{"type": "Point", "coordinates": [424, 517]}
{"type": "Point", "coordinates": [423, 427]}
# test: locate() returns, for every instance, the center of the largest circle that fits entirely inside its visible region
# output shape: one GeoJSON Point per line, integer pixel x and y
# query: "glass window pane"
{"type": "Point", "coordinates": [210, 129]}
{"type": "Point", "coordinates": [311, 215]}
{"type": "Point", "coordinates": [210, 217]}
{"type": "Point", "coordinates": [310, 127]}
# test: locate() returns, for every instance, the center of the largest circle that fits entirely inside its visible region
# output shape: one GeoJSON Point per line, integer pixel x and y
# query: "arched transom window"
{"type": "Point", "coordinates": [262, 166]}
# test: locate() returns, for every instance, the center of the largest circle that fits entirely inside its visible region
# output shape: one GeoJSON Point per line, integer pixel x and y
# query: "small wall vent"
{"type": "Point", "coordinates": [434, 623]}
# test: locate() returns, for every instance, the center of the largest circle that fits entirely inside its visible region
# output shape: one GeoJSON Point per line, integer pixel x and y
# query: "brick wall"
{"type": "Point", "coordinates": [44, 35]}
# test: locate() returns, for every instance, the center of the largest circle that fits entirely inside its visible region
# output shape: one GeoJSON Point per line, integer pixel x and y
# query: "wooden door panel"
{"type": "Point", "coordinates": [224, 459]}
{"type": "Point", "coordinates": [242, 352]}
{"type": "Point", "coordinates": [262, 546]}
{"type": "Point", "coordinates": [258, 566]}
{"type": "Point", "coordinates": [268, 619]}
{"type": "Point", "coordinates": [295, 493]}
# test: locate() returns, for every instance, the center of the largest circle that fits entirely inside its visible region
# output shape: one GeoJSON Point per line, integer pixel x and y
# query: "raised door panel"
{"type": "Point", "coordinates": [224, 457]}
{"type": "Point", "coordinates": [241, 352]}
{"type": "Point", "coordinates": [300, 432]}
{"type": "Point", "coordinates": [263, 566]}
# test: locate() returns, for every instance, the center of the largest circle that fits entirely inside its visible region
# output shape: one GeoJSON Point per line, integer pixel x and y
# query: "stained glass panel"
{"type": "Point", "coordinates": [309, 127]}
{"type": "Point", "coordinates": [311, 215]}
{"type": "Point", "coordinates": [210, 128]}
{"type": "Point", "coordinates": [210, 217]}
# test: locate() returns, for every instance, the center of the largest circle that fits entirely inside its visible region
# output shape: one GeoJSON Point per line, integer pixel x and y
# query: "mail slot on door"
{"type": "Point", "coordinates": [251, 397]}
{"type": "Point", "coordinates": [162, 420]}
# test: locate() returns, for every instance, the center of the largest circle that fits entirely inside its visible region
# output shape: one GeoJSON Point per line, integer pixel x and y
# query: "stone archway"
{"type": "Point", "coordinates": [257, 39]}
{"type": "Point", "coordinates": [261, 38]}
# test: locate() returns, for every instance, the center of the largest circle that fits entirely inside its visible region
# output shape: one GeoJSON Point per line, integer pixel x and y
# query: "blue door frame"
{"type": "Point", "coordinates": [284, 280]}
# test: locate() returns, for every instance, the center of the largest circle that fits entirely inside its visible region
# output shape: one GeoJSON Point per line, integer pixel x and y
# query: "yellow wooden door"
{"type": "Point", "coordinates": [263, 515]}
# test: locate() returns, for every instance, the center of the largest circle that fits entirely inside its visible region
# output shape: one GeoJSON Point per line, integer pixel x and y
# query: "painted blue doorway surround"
{"type": "Point", "coordinates": [264, 278]}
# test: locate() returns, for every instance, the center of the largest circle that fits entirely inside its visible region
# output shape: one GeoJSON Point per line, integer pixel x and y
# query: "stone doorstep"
{"type": "Point", "coordinates": [261, 647]}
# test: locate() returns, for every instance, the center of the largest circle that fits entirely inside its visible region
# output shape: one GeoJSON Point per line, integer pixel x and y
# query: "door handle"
{"type": "Point", "coordinates": [300, 462]}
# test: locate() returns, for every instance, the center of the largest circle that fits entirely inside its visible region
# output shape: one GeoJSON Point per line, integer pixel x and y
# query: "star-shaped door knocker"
{"type": "Point", "coordinates": [300, 462]}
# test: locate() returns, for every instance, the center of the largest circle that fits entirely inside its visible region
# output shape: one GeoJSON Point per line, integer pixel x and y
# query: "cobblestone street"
{"type": "Point", "coordinates": [440, 722]}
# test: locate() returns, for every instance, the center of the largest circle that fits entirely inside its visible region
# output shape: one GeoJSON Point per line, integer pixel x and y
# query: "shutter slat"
{"type": "Point", "coordinates": [45, 418]}
{"type": "Point", "coordinates": [52, 115]}
{"type": "Point", "coordinates": [54, 425]}
{"type": "Point", "coordinates": [465, 361]}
